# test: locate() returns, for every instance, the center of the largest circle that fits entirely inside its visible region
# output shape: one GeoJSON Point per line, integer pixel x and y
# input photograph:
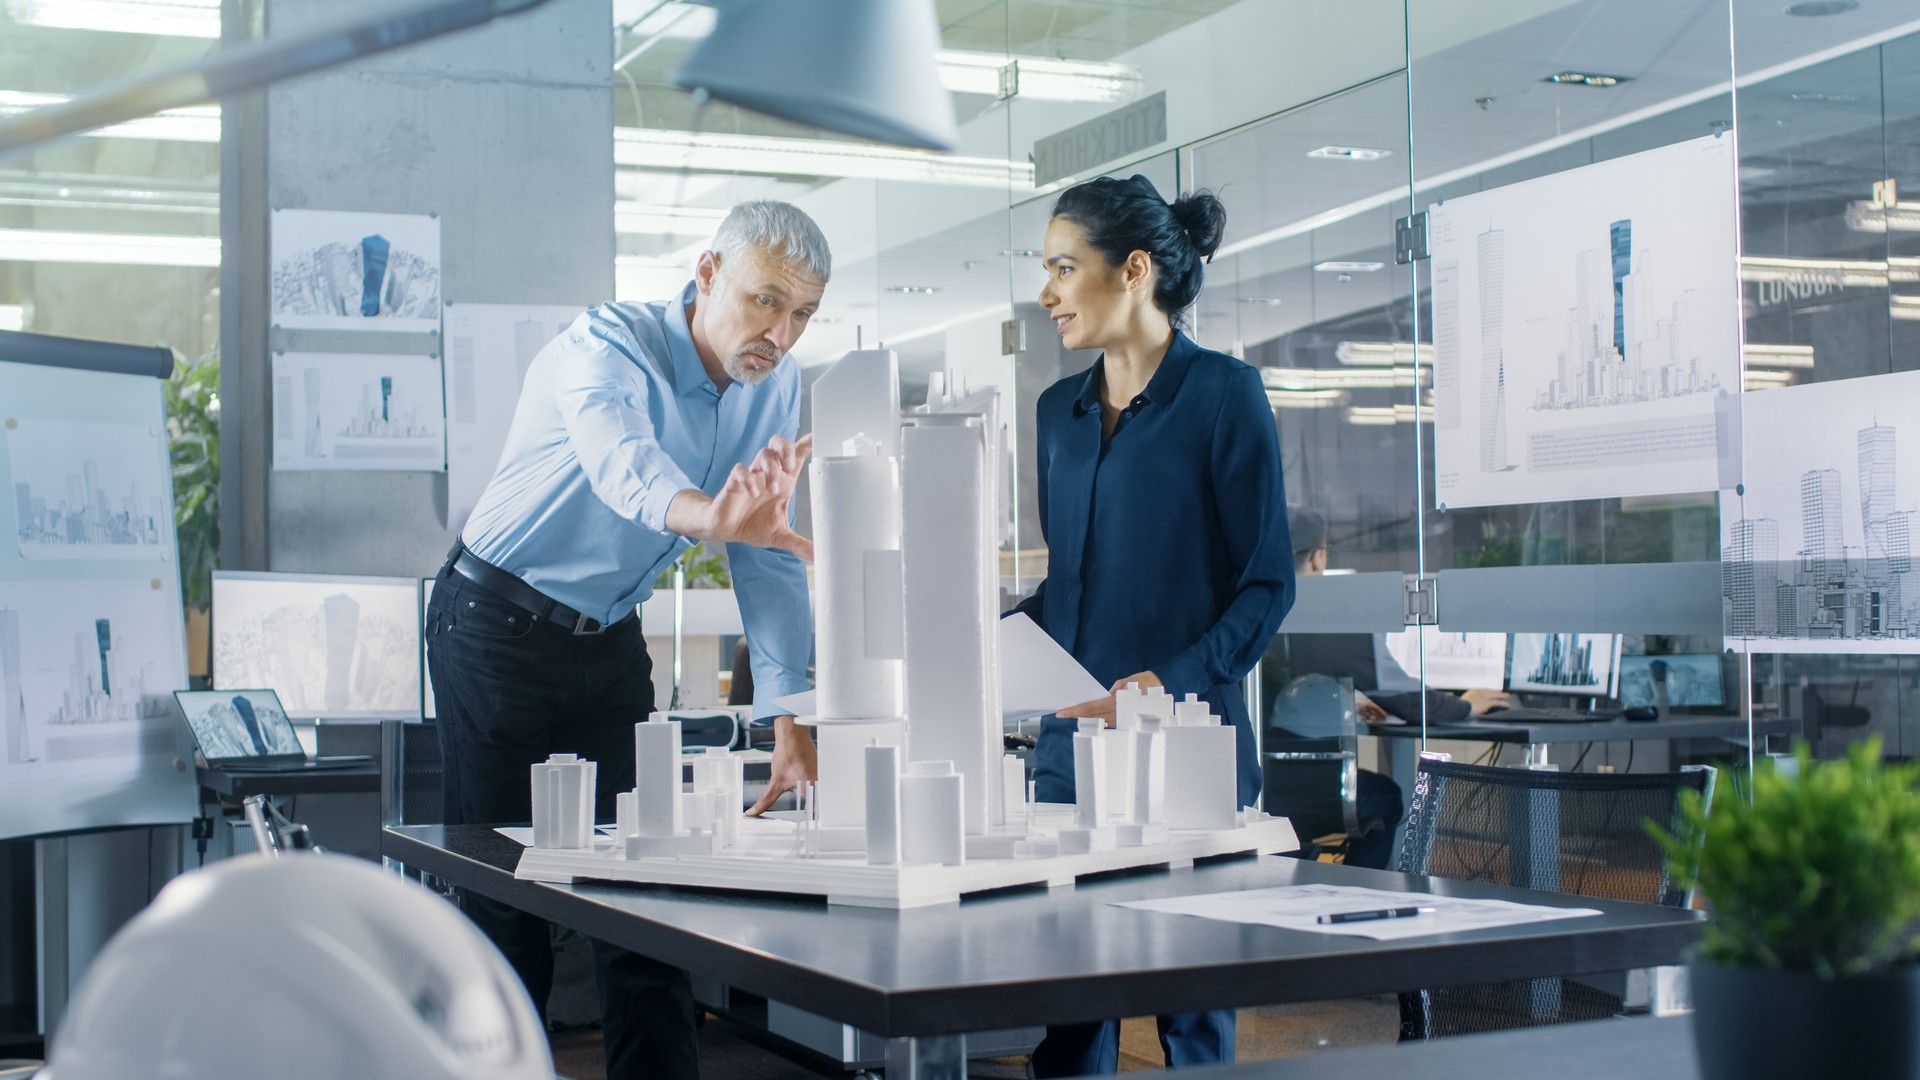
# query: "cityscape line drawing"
{"type": "Point", "coordinates": [1586, 332]}
{"type": "Point", "coordinates": [86, 490]}
{"type": "Point", "coordinates": [1453, 660]}
{"type": "Point", "coordinates": [489, 348]}
{"type": "Point", "coordinates": [358, 411]}
{"type": "Point", "coordinates": [339, 270]}
{"type": "Point", "coordinates": [329, 647]}
{"type": "Point", "coordinates": [1817, 551]}
{"type": "Point", "coordinates": [86, 672]}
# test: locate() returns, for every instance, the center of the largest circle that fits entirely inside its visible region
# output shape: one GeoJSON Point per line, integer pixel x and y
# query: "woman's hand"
{"type": "Point", "coordinates": [1103, 707]}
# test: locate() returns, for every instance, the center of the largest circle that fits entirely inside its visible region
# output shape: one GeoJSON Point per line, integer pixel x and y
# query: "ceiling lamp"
{"type": "Point", "coordinates": [122, 249]}
{"type": "Point", "coordinates": [858, 67]}
{"type": "Point", "coordinates": [161, 18]}
{"type": "Point", "coordinates": [195, 123]}
{"type": "Point", "coordinates": [773, 155]}
{"type": "Point", "coordinates": [1350, 153]}
{"type": "Point", "coordinates": [1038, 78]}
{"type": "Point", "coordinates": [1581, 78]}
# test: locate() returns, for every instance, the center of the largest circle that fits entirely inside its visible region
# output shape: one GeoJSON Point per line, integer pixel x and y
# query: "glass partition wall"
{"type": "Point", "coordinates": [1520, 281]}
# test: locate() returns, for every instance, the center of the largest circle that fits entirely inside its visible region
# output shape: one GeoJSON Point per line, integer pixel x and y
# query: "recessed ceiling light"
{"type": "Point", "coordinates": [1350, 153]}
{"type": "Point", "coordinates": [1811, 9]}
{"type": "Point", "coordinates": [914, 290]}
{"type": "Point", "coordinates": [1269, 301]}
{"type": "Point", "coordinates": [1335, 266]}
{"type": "Point", "coordinates": [1583, 78]}
{"type": "Point", "coordinates": [1022, 253]}
{"type": "Point", "coordinates": [1817, 97]}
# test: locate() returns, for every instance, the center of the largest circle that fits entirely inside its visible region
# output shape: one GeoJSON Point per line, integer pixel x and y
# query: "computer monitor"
{"type": "Point", "coordinates": [1454, 660]}
{"type": "Point", "coordinates": [332, 647]}
{"type": "Point", "coordinates": [1578, 665]}
{"type": "Point", "coordinates": [1693, 679]}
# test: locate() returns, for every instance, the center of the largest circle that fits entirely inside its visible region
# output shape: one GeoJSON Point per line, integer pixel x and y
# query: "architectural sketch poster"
{"type": "Point", "coordinates": [488, 349]}
{"type": "Point", "coordinates": [1586, 332]}
{"type": "Point", "coordinates": [87, 674]}
{"type": "Point", "coordinates": [330, 647]}
{"type": "Point", "coordinates": [85, 490]}
{"type": "Point", "coordinates": [356, 411]}
{"type": "Point", "coordinates": [335, 270]}
{"type": "Point", "coordinates": [1817, 553]}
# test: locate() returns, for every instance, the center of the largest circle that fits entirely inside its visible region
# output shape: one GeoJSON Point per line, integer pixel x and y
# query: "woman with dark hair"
{"type": "Point", "coordinates": [1165, 516]}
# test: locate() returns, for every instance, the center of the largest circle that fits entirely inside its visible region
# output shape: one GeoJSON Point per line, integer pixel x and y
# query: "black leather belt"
{"type": "Point", "coordinates": [527, 598]}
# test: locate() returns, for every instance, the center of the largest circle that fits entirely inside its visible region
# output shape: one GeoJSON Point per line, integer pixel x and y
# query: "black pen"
{"type": "Point", "coordinates": [1367, 916]}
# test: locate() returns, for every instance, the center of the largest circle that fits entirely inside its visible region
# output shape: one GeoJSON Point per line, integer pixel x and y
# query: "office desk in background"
{"type": "Point", "coordinates": [1637, 1047]}
{"type": "Point", "coordinates": [925, 977]}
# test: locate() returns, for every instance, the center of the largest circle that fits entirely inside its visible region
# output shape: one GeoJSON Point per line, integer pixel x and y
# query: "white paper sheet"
{"type": "Point", "coordinates": [489, 347]}
{"type": "Point", "coordinates": [322, 259]}
{"type": "Point", "coordinates": [89, 490]}
{"type": "Point", "coordinates": [1037, 676]}
{"type": "Point", "coordinates": [1587, 332]}
{"type": "Point", "coordinates": [358, 411]}
{"type": "Point", "coordinates": [1299, 907]}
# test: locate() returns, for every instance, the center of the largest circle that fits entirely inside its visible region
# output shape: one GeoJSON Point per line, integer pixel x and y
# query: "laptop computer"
{"type": "Point", "coordinates": [248, 731]}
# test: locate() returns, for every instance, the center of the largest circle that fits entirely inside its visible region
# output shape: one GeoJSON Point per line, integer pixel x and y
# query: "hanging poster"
{"type": "Point", "coordinates": [354, 411]}
{"type": "Point", "coordinates": [335, 270]}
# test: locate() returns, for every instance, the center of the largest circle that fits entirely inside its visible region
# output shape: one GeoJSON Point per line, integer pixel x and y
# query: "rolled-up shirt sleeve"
{"type": "Point", "coordinates": [1251, 493]}
{"type": "Point", "coordinates": [600, 400]}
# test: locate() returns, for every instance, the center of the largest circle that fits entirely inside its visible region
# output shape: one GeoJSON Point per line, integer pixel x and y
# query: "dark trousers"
{"type": "Point", "coordinates": [509, 692]}
{"type": "Point", "coordinates": [1196, 1038]}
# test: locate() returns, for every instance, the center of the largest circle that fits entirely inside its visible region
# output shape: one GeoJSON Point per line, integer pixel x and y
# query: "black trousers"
{"type": "Point", "coordinates": [510, 691]}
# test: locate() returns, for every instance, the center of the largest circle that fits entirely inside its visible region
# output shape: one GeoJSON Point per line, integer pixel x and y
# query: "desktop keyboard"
{"type": "Point", "coordinates": [1530, 715]}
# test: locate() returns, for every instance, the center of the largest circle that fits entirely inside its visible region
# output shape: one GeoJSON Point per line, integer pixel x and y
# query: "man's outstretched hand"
{"type": "Point", "coordinates": [752, 506]}
{"type": "Point", "coordinates": [793, 761]}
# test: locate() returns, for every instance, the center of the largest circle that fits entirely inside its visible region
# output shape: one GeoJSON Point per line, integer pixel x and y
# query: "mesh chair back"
{"type": "Point", "coordinates": [1578, 833]}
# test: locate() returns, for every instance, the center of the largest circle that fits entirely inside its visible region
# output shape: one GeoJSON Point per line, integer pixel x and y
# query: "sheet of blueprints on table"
{"type": "Point", "coordinates": [1299, 907]}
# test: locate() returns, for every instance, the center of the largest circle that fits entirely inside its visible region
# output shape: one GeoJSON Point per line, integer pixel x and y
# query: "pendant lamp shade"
{"type": "Point", "coordinates": [858, 67]}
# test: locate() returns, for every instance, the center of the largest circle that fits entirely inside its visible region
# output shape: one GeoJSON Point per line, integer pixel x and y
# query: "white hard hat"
{"type": "Point", "coordinates": [312, 966]}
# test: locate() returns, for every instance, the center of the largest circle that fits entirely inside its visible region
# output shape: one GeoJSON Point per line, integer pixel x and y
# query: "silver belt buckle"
{"type": "Point", "coordinates": [584, 626]}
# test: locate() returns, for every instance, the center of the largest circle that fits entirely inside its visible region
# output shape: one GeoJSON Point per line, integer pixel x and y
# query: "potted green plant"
{"type": "Point", "coordinates": [193, 437]}
{"type": "Point", "coordinates": [1812, 877]}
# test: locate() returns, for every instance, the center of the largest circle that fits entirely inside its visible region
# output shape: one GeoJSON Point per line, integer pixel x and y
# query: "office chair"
{"type": "Point", "coordinates": [1310, 765]}
{"type": "Point", "coordinates": [1573, 833]}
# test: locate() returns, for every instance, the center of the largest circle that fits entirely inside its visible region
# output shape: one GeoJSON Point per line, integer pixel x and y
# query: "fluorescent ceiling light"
{"type": "Point", "coordinates": [1304, 399]}
{"type": "Point", "coordinates": [165, 18]}
{"type": "Point", "coordinates": [1387, 415]}
{"type": "Point", "coordinates": [1847, 273]}
{"type": "Point", "coordinates": [649, 148]}
{"type": "Point", "coordinates": [123, 249]}
{"type": "Point", "coordinates": [1336, 266]}
{"type": "Point", "coordinates": [1766, 380]}
{"type": "Point", "coordinates": [1864, 215]}
{"type": "Point", "coordinates": [1777, 356]}
{"type": "Point", "coordinates": [645, 220]}
{"type": "Point", "coordinates": [199, 123]}
{"type": "Point", "coordinates": [1906, 308]}
{"type": "Point", "coordinates": [1383, 353]}
{"type": "Point", "coordinates": [1037, 78]}
{"type": "Point", "coordinates": [1350, 153]}
{"type": "Point", "coordinates": [1344, 378]}
{"type": "Point", "coordinates": [1581, 78]}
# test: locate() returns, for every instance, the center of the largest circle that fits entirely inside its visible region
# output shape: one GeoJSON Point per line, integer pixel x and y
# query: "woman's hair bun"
{"type": "Point", "coordinates": [1204, 217]}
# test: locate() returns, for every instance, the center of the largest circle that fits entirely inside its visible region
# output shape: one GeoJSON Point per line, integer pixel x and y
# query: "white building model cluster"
{"type": "Point", "coordinates": [915, 802]}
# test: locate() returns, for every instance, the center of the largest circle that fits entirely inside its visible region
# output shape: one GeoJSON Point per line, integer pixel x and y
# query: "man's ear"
{"type": "Point", "coordinates": [706, 272]}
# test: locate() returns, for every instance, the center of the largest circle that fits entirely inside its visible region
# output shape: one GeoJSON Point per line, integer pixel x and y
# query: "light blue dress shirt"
{"type": "Point", "coordinates": [616, 417]}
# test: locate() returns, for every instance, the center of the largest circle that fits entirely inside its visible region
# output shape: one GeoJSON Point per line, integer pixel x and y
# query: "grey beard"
{"type": "Point", "coordinates": [741, 371]}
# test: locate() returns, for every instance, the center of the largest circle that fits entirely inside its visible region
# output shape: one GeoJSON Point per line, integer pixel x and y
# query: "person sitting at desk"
{"type": "Point", "coordinates": [1364, 659]}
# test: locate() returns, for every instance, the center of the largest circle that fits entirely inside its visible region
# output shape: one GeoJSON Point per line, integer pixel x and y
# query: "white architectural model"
{"type": "Point", "coordinates": [563, 802]}
{"type": "Point", "coordinates": [915, 802]}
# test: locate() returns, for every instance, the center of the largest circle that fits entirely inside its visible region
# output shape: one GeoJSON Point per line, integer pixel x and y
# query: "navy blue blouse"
{"type": "Point", "coordinates": [1167, 542]}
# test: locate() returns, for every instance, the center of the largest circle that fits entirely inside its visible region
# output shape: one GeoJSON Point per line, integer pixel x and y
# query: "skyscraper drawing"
{"type": "Point", "coordinates": [1493, 361]}
{"type": "Point", "coordinates": [13, 695]}
{"type": "Point", "coordinates": [1877, 492]}
{"type": "Point", "coordinates": [342, 614]}
{"type": "Point", "coordinates": [1751, 566]}
{"type": "Point", "coordinates": [1823, 545]}
{"type": "Point", "coordinates": [1622, 266]}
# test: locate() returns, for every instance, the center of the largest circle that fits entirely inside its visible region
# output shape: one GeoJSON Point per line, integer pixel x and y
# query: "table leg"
{"type": "Point", "coordinates": [1537, 755]}
{"type": "Point", "coordinates": [927, 1057]}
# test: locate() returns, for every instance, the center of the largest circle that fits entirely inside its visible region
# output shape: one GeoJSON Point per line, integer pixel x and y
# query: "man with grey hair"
{"type": "Point", "coordinates": [641, 430]}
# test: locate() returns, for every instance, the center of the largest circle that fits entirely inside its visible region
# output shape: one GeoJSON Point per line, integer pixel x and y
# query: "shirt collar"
{"type": "Point", "coordinates": [689, 374]}
{"type": "Point", "coordinates": [1160, 389]}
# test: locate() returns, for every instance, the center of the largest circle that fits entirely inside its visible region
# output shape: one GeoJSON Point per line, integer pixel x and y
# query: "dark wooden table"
{"type": "Point", "coordinates": [1492, 728]}
{"type": "Point", "coordinates": [237, 785]}
{"type": "Point", "coordinates": [1636, 1047]}
{"type": "Point", "coordinates": [924, 977]}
